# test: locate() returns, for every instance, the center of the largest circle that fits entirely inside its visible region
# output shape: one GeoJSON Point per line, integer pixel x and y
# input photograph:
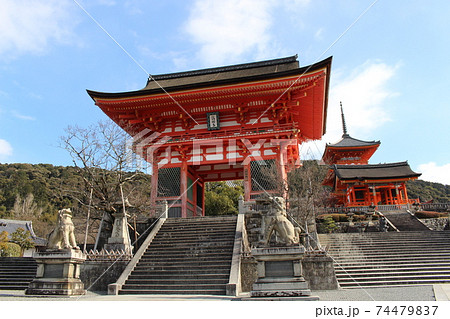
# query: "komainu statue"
{"type": "Point", "coordinates": [278, 222]}
{"type": "Point", "coordinates": [62, 237]}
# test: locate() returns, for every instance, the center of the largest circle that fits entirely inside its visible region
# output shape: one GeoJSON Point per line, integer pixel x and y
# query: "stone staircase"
{"type": "Point", "coordinates": [187, 256]}
{"type": "Point", "coordinates": [16, 272]}
{"type": "Point", "coordinates": [389, 259]}
{"type": "Point", "coordinates": [404, 221]}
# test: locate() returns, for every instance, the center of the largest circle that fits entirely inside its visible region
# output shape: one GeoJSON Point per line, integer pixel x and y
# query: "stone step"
{"type": "Point", "coordinates": [190, 276]}
{"type": "Point", "coordinates": [385, 241]}
{"type": "Point", "coordinates": [178, 270]}
{"type": "Point", "coordinates": [16, 272]}
{"type": "Point", "coordinates": [188, 245]}
{"type": "Point", "coordinates": [389, 259]}
{"type": "Point", "coordinates": [17, 275]}
{"type": "Point", "coordinates": [378, 264]}
{"type": "Point", "coordinates": [190, 264]}
{"type": "Point", "coordinates": [187, 256]}
{"type": "Point", "coordinates": [173, 292]}
{"type": "Point", "coordinates": [389, 235]}
{"type": "Point", "coordinates": [191, 249]}
{"type": "Point", "coordinates": [13, 287]}
{"type": "Point", "coordinates": [183, 282]}
{"type": "Point", "coordinates": [166, 286]}
{"type": "Point", "coordinates": [193, 253]}
{"type": "Point", "coordinates": [377, 248]}
{"type": "Point", "coordinates": [398, 256]}
{"type": "Point", "coordinates": [198, 227]}
{"type": "Point", "coordinates": [372, 273]}
{"type": "Point", "coordinates": [177, 260]}
{"type": "Point", "coordinates": [395, 278]}
{"type": "Point", "coordinates": [3, 266]}
{"type": "Point", "coordinates": [185, 261]}
{"type": "Point", "coordinates": [15, 281]}
{"type": "Point", "coordinates": [193, 238]}
{"type": "Point", "coordinates": [376, 284]}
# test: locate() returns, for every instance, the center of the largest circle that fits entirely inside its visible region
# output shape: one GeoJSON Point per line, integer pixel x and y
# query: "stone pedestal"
{"type": "Point", "coordinates": [120, 238]}
{"type": "Point", "coordinates": [58, 273]}
{"type": "Point", "coordinates": [280, 274]}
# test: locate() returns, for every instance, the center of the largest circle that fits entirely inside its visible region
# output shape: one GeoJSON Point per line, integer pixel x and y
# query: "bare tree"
{"type": "Point", "coordinates": [306, 196]}
{"type": "Point", "coordinates": [105, 164]}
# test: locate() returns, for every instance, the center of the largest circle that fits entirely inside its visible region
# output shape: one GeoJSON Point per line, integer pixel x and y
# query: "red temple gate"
{"type": "Point", "coordinates": [221, 124]}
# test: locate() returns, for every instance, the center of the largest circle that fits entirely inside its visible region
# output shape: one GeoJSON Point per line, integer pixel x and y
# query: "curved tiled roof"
{"type": "Point", "coordinates": [10, 226]}
{"type": "Point", "coordinates": [375, 171]}
{"type": "Point", "coordinates": [232, 74]}
{"type": "Point", "coordinates": [348, 141]}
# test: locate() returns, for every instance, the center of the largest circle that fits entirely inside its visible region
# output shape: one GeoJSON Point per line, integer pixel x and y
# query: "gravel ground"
{"type": "Point", "coordinates": [412, 293]}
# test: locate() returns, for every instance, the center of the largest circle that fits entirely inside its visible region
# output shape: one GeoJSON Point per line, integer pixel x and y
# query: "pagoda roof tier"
{"type": "Point", "coordinates": [375, 172]}
{"type": "Point", "coordinates": [349, 150]}
{"type": "Point", "coordinates": [348, 141]}
{"type": "Point", "coordinates": [263, 96]}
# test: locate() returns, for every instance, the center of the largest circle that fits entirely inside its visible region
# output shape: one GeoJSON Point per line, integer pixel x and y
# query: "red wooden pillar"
{"type": "Point", "coordinates": [154, 189]}
{"type": "Point", "coordinates": [405, 192]}
{"type": "Point", "coordinates": [183, 188]}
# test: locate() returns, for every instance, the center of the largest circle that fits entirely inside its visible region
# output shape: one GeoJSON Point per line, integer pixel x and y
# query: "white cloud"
{"type": "Point", "coordinates": [227, 30]}
{"type": "Point", "coordinates": [5, 149]}
{"type": "Point", "coordinates": [434, 173]}
{"type": "Point", "coordinates": [27, 26]}
{"type": "Point", "coordinates": [22, 117]}
{"type": "Point", "coordinates": [363, 94]}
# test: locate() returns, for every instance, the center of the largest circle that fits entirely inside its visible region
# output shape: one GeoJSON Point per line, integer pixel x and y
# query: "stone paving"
{"type": "Point", "coordinates": [410, 293]}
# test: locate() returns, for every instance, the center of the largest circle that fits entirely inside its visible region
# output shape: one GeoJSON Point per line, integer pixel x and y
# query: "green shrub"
{"type": "Point", "coordinates": [328, 225]}
{"type": "Point", "coordinates": [335, 217]}
{"type": "Point", "coordinates": [10, 250]}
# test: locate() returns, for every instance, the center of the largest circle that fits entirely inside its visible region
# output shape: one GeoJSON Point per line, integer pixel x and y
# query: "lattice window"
{"type": "Point", "coordinates": [169, 182]}
{"type": "Point", "coordinates": [264, 175]}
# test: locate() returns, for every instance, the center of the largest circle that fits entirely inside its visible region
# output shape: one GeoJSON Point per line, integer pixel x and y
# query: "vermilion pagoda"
{"type": "Point", "coordinates": [221, 124]}
{"type": "Point", "coordinates": [357, 183]}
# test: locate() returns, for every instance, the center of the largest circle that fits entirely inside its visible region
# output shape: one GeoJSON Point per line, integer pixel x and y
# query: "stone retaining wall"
{"type": "Point", "coordinates": [435, 223]}
{"type": "Point", "coordinates": [96, 276]}
{"type": "Point", "coordinates": [318, 271]}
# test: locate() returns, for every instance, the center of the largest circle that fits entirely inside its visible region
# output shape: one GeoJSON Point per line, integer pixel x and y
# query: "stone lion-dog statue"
{"type": "Point", "coordinates": [279, 223]}
{"type": "Point", "coordinates": [62, 237]}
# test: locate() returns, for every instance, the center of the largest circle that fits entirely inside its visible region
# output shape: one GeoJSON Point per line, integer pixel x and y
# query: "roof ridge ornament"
{"type": "Point", "coordinates": [344, 126]}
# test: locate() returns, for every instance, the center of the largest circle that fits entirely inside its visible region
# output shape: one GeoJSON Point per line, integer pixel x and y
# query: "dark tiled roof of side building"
{"type": "Point", "coordinates": [375, 171]}
{"type": "Point", "coordinates": [10, 226]}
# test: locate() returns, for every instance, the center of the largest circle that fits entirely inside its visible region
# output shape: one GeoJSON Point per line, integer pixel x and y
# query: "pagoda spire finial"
{"type": "Point", "coordinates": [344, 127]}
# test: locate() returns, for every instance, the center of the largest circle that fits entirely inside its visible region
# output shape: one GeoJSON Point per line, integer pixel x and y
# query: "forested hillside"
{"type": "Point", "coordinates": [37, 192]}
{"type": "Point", "coordinates": [428, 191]}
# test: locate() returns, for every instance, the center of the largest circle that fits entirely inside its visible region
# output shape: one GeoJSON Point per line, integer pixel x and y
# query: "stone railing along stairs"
{"type": "Point", "coordinates": [389, 259]}
{"type": "Point", "coordinates": [186, 256]}
{"type": "Point", "coordinates": [16, 272]}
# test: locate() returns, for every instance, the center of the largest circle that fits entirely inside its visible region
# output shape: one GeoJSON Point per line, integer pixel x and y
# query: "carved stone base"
{"type": "Point", "coordinates": [280, 274]}
{"type": "Point", "coordinates": [58, 273]}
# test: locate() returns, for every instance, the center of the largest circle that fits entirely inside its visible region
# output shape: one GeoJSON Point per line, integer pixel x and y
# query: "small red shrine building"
{"type": "Point", "coordinates": [221, 124]}
{"type": "Point", "coordinates": [357, 183]}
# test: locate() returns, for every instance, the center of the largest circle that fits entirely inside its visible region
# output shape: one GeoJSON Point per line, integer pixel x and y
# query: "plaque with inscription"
{"type": "Point", "coordinates": [213, 121]}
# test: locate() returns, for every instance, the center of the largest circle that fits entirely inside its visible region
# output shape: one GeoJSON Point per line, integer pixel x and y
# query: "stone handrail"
{"type": "Point", "coordinates": [113, 289]}
{"type": "Point", "coordinates": [389, 222]}
{"type": "Point", "coordinates": [233, 287]}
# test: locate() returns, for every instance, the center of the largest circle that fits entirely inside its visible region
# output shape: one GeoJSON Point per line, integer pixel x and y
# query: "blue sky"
{"type": "Point", "coordinates": [390, 65]}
